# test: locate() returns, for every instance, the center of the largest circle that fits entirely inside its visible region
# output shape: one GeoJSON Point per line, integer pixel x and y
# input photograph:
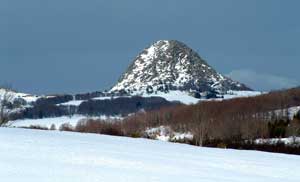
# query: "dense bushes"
{"type": "Point", "coordinates": [100, 127]}
{"type": "Point", "coordinates": [119, 106]}
{"type": "Point", "coordinates": [122, 105]}
{"type": "Point", "coordinates": [36, 127]}
{"type": "Point", "coordinates": [130, 128]}
{"type": "Point", "coordinates": [88, 96]}
{"type": "Point", "coordinates": [277, 129]}
{"type": "Point", "coordinates": [297, 116]}
{"type": "Point", "coordinates": [278, 147]}
{"type": "Point", "coordinates": [52, 100]}
{"type": "Point", "coordinates": [41, 111]}
{"type": "Point", "coordinates": [46, 107]}
{"type": "Point", "coordinates": [66, 127]}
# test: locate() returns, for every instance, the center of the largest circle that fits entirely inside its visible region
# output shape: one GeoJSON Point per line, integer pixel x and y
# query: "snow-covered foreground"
{"type": "Point", "coordinates": [42, 156]}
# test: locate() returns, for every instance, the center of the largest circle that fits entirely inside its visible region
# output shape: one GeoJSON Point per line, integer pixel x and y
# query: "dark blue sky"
{"type": "Point", "coordinates": [56, 46]}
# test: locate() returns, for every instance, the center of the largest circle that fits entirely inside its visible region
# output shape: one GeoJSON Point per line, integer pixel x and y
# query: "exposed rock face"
{"type": "Point", "coordinates": [172, 65]}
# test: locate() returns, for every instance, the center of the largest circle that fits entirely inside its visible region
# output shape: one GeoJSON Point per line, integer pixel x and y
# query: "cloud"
{"type": "Point", "coordinates": [262, 81]}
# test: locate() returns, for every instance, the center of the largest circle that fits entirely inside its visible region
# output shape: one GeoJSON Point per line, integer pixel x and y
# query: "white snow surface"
{"type": "Point", "coordinates": [14, 95]}
{"type": "Point", "coordinates": [235, 94]}
{"type": "Point", "coordinates": [57, 121]}
{"type": "Point", "coordinates": [72, 103]}
{"type": "Point", "coordinates": [185, 98]}
{"type": "Point", "coordinates": [166, 134]}
{"type": "Point", "coordinates": [180, 96]}
{"type": "Point", "coordinates": [48, 156]}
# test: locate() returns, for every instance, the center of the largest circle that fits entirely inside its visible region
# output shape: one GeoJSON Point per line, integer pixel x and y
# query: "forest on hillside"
{"type": "Point", "coordinates": [233, 123]}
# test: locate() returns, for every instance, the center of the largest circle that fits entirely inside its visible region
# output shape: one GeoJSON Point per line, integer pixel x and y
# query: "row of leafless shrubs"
{"type": "Point", "coordinates": [229, 120]}
{"type": "Point", "coordinates": [39, 127]}
{"type": "Point", "coordinates": [35, 127]}
{"type": "Point", "coordinates": [100, 127]}
{"type": "Point", "coordinates": [130, 128]}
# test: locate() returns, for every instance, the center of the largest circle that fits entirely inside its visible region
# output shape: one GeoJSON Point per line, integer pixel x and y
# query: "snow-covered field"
{"type": "Point", "coordinates": [236, 94]}
{"type": "Point", "coordinates": [48, 156]}
{"type": "Point", "coordinates": [180, 96]}
{"type": "Point", "coordinates": [57, 121]}
{"type": "Point", "coordinates": [186, 98]}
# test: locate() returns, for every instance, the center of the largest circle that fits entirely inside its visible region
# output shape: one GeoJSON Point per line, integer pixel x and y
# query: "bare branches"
{"type": "Point", "coordinates": [6, 96]}
{"type": "Point", "coordinates": [228, 120]}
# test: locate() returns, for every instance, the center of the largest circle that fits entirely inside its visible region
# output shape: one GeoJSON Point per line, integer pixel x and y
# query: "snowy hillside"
{"type": "Point", "coordinates": [47, 156]}
{"type": "Point", "coordinates": [172, 65]}
{"type": "Point", "coordinates": [12, 95]}
{"type": "Point", "coordinates": [57, 121]}
{"type": "Point", "coordinates": [186, 98]}
{"type": "Point", "coordinates": [173, 95]}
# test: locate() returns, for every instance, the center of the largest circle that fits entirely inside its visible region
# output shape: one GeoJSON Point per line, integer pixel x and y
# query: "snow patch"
{"type": "Point", "coordinates": [236, 94]}
{"type": "Point", "coordinates": [166, 134]}
{"type": "Point", "coordinates": [180, 96]}
{"type": "Point", "coordinates": [274, 141]}
{"type": "Point", "coordinates": [57, 121]}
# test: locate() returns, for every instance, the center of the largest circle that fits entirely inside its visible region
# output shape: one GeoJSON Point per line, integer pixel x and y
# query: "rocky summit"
{"type": "Point", "coordinates": [172, 65]}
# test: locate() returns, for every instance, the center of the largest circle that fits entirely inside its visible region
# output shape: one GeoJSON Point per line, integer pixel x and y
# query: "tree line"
{"type": "Point", "coordinates": [232, 123]}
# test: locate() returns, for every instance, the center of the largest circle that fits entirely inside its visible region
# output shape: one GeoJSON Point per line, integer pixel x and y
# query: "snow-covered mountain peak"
{"type": "Point", "coordinates": [172, 65]}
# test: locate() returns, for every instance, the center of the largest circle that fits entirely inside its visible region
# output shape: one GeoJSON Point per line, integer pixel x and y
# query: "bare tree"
{"type": "Point", "coordinates": [293, 128]}
{"type": "Point", "coordinates": [5, 99]}
{"type": "Point", "coordinates": [200, 125]}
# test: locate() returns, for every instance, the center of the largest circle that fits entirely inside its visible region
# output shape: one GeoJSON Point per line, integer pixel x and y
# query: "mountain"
{"type": "Point", "coordinates": [172, 65]}
{"type": "Point", "coordinates": [166, 73]}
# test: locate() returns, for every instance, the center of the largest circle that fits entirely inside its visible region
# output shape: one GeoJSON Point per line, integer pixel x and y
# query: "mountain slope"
{"type": "Point", "coordinates": [172, 65]}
